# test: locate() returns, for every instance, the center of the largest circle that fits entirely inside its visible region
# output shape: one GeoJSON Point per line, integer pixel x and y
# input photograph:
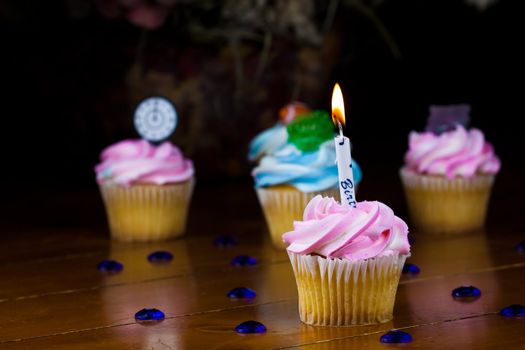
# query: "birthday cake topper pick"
{"type": "Point", "coordinates": [155, 119]}
{"type": "Point", "coordinates": [446, 118]}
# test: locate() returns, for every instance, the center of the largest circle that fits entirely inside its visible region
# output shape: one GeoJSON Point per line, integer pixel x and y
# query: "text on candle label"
{"type": "Point", "coordinates": [348, 187]}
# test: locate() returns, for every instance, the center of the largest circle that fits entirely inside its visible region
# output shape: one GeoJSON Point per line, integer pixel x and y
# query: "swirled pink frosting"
{"type": "Point", "coordinates": [459, 152]}
{"type": "Point", "coordinates": [137, 161]}
{"type": "Point", "coordinates": [331, 230]}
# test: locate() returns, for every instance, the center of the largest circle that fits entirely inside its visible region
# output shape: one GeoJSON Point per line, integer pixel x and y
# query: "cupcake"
{"type": "Point", "coordinates": [146, 190]}
{"type": "Point", "coordinates": [301, 168]}
{"type": "Point", "coordinates": [347, 262]}
{"type": "Point", "coordinates": [448, 173]}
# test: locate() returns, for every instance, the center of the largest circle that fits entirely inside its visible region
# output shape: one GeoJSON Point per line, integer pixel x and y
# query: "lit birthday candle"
{"type": "Point", "coordinates": [342, 151]}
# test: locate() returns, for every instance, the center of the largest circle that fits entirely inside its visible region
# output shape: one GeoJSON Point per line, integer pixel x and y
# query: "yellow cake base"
{"type": "Point", "coordinates": [340, 292]}
{"type": "Point", "coordinates": [147, 212]}
{"type": "Point", "coordinates": [282, 205]}
{"type": "Point", "coordinates": [440, 205]}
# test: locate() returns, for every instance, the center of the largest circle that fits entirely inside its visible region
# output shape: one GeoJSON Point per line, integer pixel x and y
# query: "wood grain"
{"type": "Point", "coordinates": [53, 297]}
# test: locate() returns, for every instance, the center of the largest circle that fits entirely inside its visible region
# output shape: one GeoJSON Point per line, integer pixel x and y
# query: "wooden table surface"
{"type": "Point", "coordinates": [53, 297]}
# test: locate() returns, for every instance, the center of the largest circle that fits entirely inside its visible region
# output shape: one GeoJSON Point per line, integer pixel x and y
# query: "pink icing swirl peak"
{"type": "Point", "coordinates": [138, 161]}
{"type": "Point", "coordinates": [459, 152]}
{"type": "Point", "coordinates": [331, 230]}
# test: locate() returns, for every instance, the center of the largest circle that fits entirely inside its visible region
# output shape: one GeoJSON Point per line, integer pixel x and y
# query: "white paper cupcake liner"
{"type": "Point", "coordinates": [340, 292]}
{"type": "Point", "coordinates": [441, 183]}
{"type": "Point", "coordinates": [442, 205]}
{"type": "Point", "coordinates": [147, 212]}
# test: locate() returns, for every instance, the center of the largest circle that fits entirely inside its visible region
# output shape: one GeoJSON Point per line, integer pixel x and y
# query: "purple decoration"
{"type": "Point", "coordinates": [243, 260]}
{"type": "Point", "coordinates": [250, 327]}
{"type": "Point", "coordinates": [241, 293]}
{"type": "Point", "coordinates": [446, 118]}
{"type": "Point", "coordinates": [225, 241]}
{"type": "Point", "coordinates": [466, 292]}
{"type": "Point", "coordinates": [110, 266]}
{"type": "Point", "coordinates": [145, 315]}
{"type": "Point", "coordinates": [514, 310]}
{"type": "Point", "coordinates": [520, 247]}
{"type": "Point", "coordinates": [160, 257]}
{"type": "Point", "coordinates": [410, 269]}
{"type": "Point", "coordinates": [397, 336]}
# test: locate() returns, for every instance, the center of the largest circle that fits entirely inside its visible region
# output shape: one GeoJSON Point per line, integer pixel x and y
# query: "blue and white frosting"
{"type": "Point", "coordinates": [268, 141]}
{"type": "Point", "coordinates": [306, 171]}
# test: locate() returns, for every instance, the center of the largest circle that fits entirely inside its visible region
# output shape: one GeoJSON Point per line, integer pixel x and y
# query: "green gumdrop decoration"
{"type": "Point", "coordinates": [308, 131]}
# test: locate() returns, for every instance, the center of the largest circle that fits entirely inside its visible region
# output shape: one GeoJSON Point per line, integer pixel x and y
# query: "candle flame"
{"type": "Point", "coordinates": [338, 106]}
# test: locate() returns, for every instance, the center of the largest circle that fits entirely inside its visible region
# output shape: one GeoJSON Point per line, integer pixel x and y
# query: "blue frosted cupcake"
{"type": "Point", "coordinates": [298, 169]}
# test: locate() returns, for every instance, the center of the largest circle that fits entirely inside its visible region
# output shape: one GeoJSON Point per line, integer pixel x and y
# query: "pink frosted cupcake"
{"type": "Point", "coordinates": [347, 262]}
{"type": "Point", "coordinates": [146, 190]}
{"type": "Point", "coordinates": [448, 175]}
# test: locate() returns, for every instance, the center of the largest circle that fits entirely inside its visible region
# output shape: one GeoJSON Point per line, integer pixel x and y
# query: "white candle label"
{"type": "Point", "coordinates": [344, 168]}
{"type": "Point", "coordinates": [155, 119]}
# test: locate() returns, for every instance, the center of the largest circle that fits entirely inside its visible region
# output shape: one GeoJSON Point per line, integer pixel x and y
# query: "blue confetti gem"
{"type": "Point", "coordinates": [250, 327]}
{"type": "Point", "coordinates": [149, 315]}
{"type": "Point", "coordinates": [225, 241]}
{"type": "Point", "coordinates": [160, 257]}
{"type": "Point", "coordinates": [110, 266]}
{"type": "Point", "coordinates": [515, 310]}
{"type": "Point", "coordinates": [241, 293]}
{"type": "Point", "coordinates": [410, 269]}
{"type": "Point", "coordinates": [520, 247]}
{"type": "Point", "coordinates": [396, 337]}
{"type": "Point", "coordinates": [243, 260]}
{"type": "Point", "coordinates": [466, 292]}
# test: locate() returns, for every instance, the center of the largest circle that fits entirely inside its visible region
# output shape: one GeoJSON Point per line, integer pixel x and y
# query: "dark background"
{"type": "Point", "coordinates": [72, 75]}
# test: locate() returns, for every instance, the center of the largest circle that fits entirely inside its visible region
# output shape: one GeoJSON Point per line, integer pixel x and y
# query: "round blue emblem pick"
{"type": "Point", "coordinates": [155, 119]}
